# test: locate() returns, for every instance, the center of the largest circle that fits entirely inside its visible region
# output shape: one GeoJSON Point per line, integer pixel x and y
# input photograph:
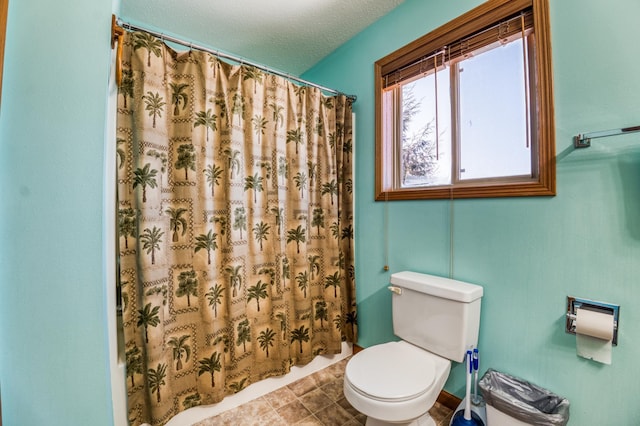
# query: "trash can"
{"type": "Point", "coordinates": [515, 402]}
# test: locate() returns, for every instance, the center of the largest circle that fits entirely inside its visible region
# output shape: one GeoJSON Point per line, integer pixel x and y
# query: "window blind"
{"type": "Point", "coordinates": [505, 31]}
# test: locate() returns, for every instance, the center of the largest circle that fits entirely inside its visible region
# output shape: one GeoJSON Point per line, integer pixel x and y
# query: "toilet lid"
{"type": "Point", "coordinates": [394, 371]}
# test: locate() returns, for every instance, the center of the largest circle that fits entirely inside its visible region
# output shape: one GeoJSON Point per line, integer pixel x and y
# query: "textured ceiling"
{"type": "Point", "coordinates": [288, 35]}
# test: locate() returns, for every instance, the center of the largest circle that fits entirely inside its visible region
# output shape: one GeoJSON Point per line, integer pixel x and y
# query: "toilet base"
{"type": "Point", "coordinates": [424, 420]}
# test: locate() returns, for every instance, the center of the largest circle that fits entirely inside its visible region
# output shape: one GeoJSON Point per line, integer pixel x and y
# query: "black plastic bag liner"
{"type": "Point", "coordinates": [523, 400]}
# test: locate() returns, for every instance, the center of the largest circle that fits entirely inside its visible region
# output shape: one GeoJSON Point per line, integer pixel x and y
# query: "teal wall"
{"type": "Point", "coordinates": [53, 335]}
{"type": "Point", "coordinates": [528, 253]}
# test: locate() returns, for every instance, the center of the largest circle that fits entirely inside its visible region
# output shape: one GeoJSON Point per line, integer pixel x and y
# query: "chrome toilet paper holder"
{"type": "Point", "coordinates": [575, 303]}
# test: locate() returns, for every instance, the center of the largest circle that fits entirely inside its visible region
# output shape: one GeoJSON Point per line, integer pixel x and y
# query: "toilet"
{"type": "Point", "coordinates": [396, 383]}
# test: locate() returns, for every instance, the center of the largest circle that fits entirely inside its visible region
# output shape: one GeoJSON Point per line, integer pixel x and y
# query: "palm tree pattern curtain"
{"type": "Point", "coordinates": [235, 226]}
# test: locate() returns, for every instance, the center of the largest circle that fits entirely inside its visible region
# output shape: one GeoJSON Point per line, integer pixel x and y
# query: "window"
{"type": "Point", "coordinates": [466, 111]}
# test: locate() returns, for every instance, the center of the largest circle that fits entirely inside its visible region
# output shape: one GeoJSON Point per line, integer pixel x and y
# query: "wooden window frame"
{"type": "Point", "coordinates": [483, 16]}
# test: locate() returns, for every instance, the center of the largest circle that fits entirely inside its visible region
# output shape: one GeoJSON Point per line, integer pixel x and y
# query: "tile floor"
{"type": "Point", "coordinates": [316, 400]}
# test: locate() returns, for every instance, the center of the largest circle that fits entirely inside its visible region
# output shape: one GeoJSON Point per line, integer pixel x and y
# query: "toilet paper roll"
{"type": "Point", "coordinates": [594, 324]}
{"type": "Point", "coordinates": [594, 334]}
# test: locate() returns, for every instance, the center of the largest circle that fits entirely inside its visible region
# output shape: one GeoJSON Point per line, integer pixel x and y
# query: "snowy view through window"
{"type": "Point", "coordinates": [491, 121]}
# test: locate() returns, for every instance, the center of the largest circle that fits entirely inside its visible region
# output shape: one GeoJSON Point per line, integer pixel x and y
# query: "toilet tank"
{"type": "Point", "coordinates": [438, 314]}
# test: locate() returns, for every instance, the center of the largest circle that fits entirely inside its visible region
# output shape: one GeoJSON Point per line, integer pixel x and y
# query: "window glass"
{"type": "Point", "coordinates": [493, 114]}
{"type": "Point", "coordinates": [426, 160]}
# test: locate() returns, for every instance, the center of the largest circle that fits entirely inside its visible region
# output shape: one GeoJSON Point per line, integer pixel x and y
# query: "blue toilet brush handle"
{"type": "Point", "coordinates": [476, 365]}
{"type": "Point", "coordinates": [466, 417]}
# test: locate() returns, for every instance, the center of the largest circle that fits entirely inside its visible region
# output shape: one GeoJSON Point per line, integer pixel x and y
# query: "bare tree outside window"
{"type": "Point", "coordinates": [419, 160]}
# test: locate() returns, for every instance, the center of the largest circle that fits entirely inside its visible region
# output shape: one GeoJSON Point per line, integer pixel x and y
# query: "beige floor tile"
{"type": "Point", "coordinates": [361, 418]}
{"type": "Point", "coordinates": [439, 412]}
{"type": "Point", "coordinates": [280, 397]}
{"type": "Point", "coordinates": [323, 377]}
{"type": "Point", "coordinates": [310, 421]}
{"type": "Point", "coordinates": [303, 385]}
{"type": "Point", "coordinates": [333, 415]}
{"type": "Point", "coordinates": [293, 412]}
{"type": "Point", "coordinates": [229, 417]}
{"type": "Point", "coordinates": [334, 390]}
{"type": "Point", "coordinates": [315, 400]}
{"type": "Point", "coordinates": [255, 408]}
{"type": "Point", "coordinates": [342, 402]}
{"type": "Point", "coordinates": [268, 419]}
{"type": "Point", "coordinates": [337, 369]}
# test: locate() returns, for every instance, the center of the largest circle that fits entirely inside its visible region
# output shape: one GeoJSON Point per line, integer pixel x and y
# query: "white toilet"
{"type": "Point", "coordinates": [397, 383]}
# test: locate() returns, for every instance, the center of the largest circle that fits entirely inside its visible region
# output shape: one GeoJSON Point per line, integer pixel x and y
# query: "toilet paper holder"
{"type": "Point", "coordinates": [574, 303]}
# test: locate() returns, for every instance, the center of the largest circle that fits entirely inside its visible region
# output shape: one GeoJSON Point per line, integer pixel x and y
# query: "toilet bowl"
{"type": "Point", "coordinates": [437, 320]}
{"type": "Point", "coordinates": [395, 383]}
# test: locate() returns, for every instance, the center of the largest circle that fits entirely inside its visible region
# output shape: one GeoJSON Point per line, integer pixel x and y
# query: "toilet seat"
{"type": "Point", "coordinates": [395, 382]}
{"type": "Point", "coordinates": [392, 372]}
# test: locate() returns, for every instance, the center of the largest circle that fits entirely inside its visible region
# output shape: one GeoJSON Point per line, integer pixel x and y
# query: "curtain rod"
{"type": "Point", "coordinates": [117, 26]}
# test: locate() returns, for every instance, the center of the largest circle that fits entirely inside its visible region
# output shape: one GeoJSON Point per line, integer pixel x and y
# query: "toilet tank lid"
{"type": "Point", "coordinates": [437, 286]}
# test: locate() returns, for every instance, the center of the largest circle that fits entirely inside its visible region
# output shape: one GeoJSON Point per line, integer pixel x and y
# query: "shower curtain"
{"type": "Point", "coordinates": [235, 226]}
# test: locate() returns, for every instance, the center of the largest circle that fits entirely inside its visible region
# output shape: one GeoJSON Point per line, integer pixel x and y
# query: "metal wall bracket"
{"type": "Point", "coordinates": [583, 140]}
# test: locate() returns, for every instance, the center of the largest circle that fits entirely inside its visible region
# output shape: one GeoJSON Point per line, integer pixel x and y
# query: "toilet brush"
{"type": "Point", "coordinates": [477, 401]}
{"type": "Point", "coordinates": [476, 364]}
{"type": "Point", "coordinates": [466, 417]}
